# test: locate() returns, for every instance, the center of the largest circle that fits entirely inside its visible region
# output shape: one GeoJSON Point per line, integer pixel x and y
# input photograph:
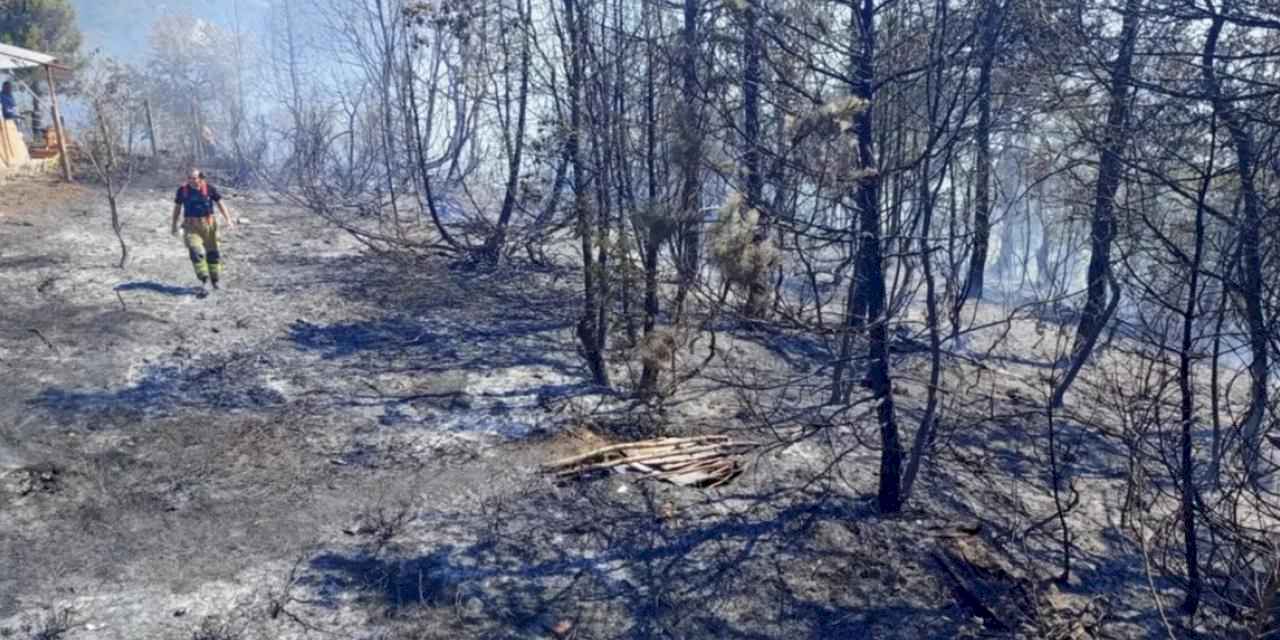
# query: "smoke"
{"type": "Point", "coordinates": [119, 28]}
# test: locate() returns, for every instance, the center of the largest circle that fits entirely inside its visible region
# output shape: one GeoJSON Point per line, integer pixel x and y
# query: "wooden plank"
{"type": "Point", "coordinates": [644, 444]}
{"type": "Point", "coordinates": [652, 460]}
{"type": "Point", "coordinates": [729, 475]}
{"type": "Point", "coordinates": [695, 465]}
{"type": "Point", "coordinates": [720, 471]}
{"type": "Point", "coordinates": [691, 453]}
{"type": "Point", "coordinates": [691, 478]}
{"type": "Point", "coordinates": [57, 126]}
{"type": "Point", "coordinates": [8, 151]}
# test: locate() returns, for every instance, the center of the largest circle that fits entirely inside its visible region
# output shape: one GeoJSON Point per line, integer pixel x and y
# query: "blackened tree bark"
{"type": "Point", "coordinates": [758, 288]}
{"type": "Point", "coordinates": [655, 227]}
{"type": "Point", "coordinates": [689, 241]}
{"type": "Point", "coordinates": [599, 116]}
{"type": "Point", "coordinates": [416, 151]}
{"type": "Point", "coordinates": [1187, 391]}
{"type": "Point", "coordinates": [588, 330]}
{"type": "Point", "coordinates": [492, 250]}
{"type": "Point", "coordinates": [871, 288]}
{"type": "Point", "coordinates": [992, 17]}
{"type": "Point", "coordinates": [1252, 287]}
{"type": "Point", "coordinates": [1115, 140]}
{"type": "Point", "coordinates": [621, 158]}
{"type": "Point", "coordinates": [938, 122]}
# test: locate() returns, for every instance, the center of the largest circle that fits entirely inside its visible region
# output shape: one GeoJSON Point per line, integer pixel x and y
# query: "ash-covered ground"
{"type": "Point", "coordinates": [340, 445]}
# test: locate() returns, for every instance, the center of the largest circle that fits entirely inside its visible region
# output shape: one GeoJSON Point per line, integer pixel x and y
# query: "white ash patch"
{"type": "Point", "coordinates": [506, 405]}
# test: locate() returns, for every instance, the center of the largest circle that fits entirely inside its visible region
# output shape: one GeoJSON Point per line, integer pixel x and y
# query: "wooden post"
{"type": "Point", "coordinates": [151, 129]}
{"type": "Point", "coordinates": [195, 139]}
{"type": "Point", "coordinates": [57, 125]}
{"type": "Point", "coordinates": [199, 141]}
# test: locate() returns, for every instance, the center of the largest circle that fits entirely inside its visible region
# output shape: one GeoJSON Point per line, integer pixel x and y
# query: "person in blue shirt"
{"type": "Point", "coordinates": [8, 105]}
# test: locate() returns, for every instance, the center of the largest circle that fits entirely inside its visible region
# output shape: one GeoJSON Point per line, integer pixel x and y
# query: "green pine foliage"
{"type": "Point", "coordinates": [48, 26]}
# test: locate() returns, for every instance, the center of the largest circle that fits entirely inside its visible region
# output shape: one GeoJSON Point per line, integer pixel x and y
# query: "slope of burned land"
{"type": "Point", "coordinates": [339, 445]}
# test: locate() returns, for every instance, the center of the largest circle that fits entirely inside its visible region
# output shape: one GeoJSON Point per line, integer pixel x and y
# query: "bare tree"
{"type": "Point", "coordinates": [110, 147]}
{"type": "Point", "coordinates": [1113, 144]}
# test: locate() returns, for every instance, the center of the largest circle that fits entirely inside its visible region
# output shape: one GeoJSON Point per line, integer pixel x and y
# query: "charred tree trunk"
{"type": "Point", "coordinates": [654, 226]}
{"type": "Point", "coordinates": [620, 167]}
{"type": "Point", "coordinates": [600, 117]}
{"type": "Point", "coordinates": [421, 168]}
{"type": "Point", "coordinates": [992, 16]}
{"type": "Point", "coordinates": [1252, 287]}
{"type": "Point", "coordinates": [938, 124]}
{"type": "Point", "coordinates": [386, 63]}
{"type": "Point", "coordinates": [689, 240]}
{"type": "Point", "coordinates": [587, 330]}
{"type": "Point", "coordinates": [1187, 391]}
{"type": "Point", "coordinates": [871, 286]}
{"type": "Point", "coordinates": [758, 289]}
{"type": "Point", "coordinates": [492, 250]}
{"type": "Point", "coordinates": [1098, 310]}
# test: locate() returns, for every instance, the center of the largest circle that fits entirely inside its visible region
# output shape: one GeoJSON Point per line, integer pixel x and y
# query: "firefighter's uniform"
{"type": "Point", "coordinates": [200, 229]}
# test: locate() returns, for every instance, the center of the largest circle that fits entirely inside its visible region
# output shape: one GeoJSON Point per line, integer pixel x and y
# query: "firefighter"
{"type": "Point", "coordinates": [194, 203]}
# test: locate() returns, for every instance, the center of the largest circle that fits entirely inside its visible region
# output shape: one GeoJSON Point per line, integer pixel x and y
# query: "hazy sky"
{"type": "Point", "coordinates": [120, 27]}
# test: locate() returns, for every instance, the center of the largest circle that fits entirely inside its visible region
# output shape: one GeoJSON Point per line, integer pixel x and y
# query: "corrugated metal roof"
{"type": "Point", "coordinates": [12, 57]}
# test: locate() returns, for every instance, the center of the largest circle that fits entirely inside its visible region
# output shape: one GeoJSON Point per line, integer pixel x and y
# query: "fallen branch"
{"type": "Point", "coordinates": [45, 341]}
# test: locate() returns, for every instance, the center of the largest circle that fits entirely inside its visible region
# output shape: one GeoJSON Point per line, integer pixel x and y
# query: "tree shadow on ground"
{"type": "Point", "coordinates": [440, 327]}
{"type": "Point", "coordinates": [429, 333]}
{"type": "Point", "coordinates": [397, 343]}
{"type": "Point", "coordinates": [164, 390]}
{"type": "Point", "coordinates": [30, 263]}
{"type": "Point", "coordinates": [628, 568]}
{"type": "Point", "coordinates": [343, 339]}
{"type": "Point", "coordinates": [158, 287]}
{"type": "Point", "coordinates": [802, 352]}
{"type": "Point", "coordinates": [1020, 448]}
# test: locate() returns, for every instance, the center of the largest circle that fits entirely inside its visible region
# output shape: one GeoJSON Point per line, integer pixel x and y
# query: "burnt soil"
{"type": "Point", "coordinates": [341, 445]}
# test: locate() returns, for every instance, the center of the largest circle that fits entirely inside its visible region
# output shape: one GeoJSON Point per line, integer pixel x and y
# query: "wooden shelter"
{"type": "Point", "coordinates": [12, 148]}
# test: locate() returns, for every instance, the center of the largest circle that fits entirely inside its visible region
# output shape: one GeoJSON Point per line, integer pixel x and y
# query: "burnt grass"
{"type": "Point", "coordinates": [338, 445]}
